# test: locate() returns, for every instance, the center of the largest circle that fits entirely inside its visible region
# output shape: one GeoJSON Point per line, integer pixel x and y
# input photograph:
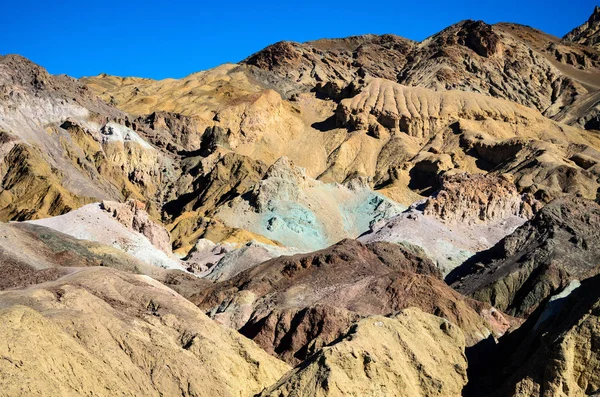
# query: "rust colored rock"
{"type": "Point", "coordinates": [474, 198]}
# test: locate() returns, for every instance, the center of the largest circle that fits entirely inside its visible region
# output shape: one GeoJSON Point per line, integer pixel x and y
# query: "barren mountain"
{"type": "Point", "coordinates": [346, 216]}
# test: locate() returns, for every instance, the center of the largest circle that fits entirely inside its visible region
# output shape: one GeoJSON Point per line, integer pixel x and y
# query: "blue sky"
{"type": "Point", "coordinates": [161, 39]}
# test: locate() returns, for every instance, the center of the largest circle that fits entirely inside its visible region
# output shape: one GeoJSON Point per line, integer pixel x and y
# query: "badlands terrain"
{"type": "Point", "coordinates": [365, 216]}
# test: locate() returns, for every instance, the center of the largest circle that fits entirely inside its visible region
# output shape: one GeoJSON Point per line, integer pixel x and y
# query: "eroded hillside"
{"type": "Point", "coordinates": [359, 216]}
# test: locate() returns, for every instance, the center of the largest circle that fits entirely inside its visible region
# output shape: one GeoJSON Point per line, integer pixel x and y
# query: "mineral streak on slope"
{"type": "Point", "coordinates": [289, 207]}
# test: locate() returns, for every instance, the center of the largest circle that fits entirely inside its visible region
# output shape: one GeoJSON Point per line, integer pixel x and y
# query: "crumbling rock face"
{"type": "Point", "coordinates": [469, 214]}
{"type": "Point", "coordinates": [558, 245]}
{"type": "Point", "coordinates": [295, 334]}
{"type": "Point", "coordinates": [330, 66]}
{"type": "Point", "coordinates": [549, 171]}
{"type": "Point", "coordinates": [173, 132]}
{"type": "Point", "coordinates": [494, 60]}
{"type": "Point", "coordinates": [20, 77]}
{"type": "Point", "coordinates": [132, 214]}
{"type": "Point", "coordinates": [472, 198]}
{"type": "Point", "coordinates": [410, 354]}
{"type": "Point", "coordinates": [478, 36]}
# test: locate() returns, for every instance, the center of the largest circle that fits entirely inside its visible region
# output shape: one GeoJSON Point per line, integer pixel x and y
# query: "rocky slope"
{"type": "Point", "coordinates": [103, 332]}
{"type": "Point", "coordinates": [557, 246]}
{"type": "Point", "coordinates": [412, 354]}
{"type": "Point", "coordinates": [264, 120]}
{"type": "Point", "coordinates": [63, 147]}
{"type": "Point", "coordinates": [506, 60]}
{"type": "Point", "coordinates": [33, 254]}
{"type": "Point", "coordinates": [553, 354]}
{"type": "Point", "coordinates": [121, 226]}
{"type": "Point", "coordinates": [299, 212]}
{"type": "Point", "coordinates": [279, 302]}
{"type": "Point", "coordinates": [587, 34]}
{"type": "Point", "coordinates": [221, 185]}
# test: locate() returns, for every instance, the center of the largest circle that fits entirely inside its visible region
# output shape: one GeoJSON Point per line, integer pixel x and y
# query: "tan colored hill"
{"type": "Point", "coordinates": [191, 96]}
{"type": "Point", "coordinates": [102, 332]}
{"type": "Point", "coordinates": [410, 354]}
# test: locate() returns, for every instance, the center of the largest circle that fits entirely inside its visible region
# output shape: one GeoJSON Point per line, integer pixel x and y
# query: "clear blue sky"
{"type": "Point", "coordinates": [161, 39]}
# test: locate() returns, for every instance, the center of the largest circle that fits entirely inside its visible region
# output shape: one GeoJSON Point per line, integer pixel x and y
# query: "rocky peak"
{"type": "Point", "coordinates": [276, 55]}
{"type": "Point", "coordinates": [475, 35]}
{"type": "Point", "coordinates": [588, 33]}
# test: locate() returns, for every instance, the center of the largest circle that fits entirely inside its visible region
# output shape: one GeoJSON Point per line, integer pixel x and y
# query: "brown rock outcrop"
{"type": "Point", "coordinates": [348, 276]}
{"type": "Point", "coordinates": [473, 198]}
{"type": "Point", "coordinates": [588, 33]}
{"type": "Point", "coordinates": [331, 66]}
{"type": "Point", "coordinates": [132, 214]}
